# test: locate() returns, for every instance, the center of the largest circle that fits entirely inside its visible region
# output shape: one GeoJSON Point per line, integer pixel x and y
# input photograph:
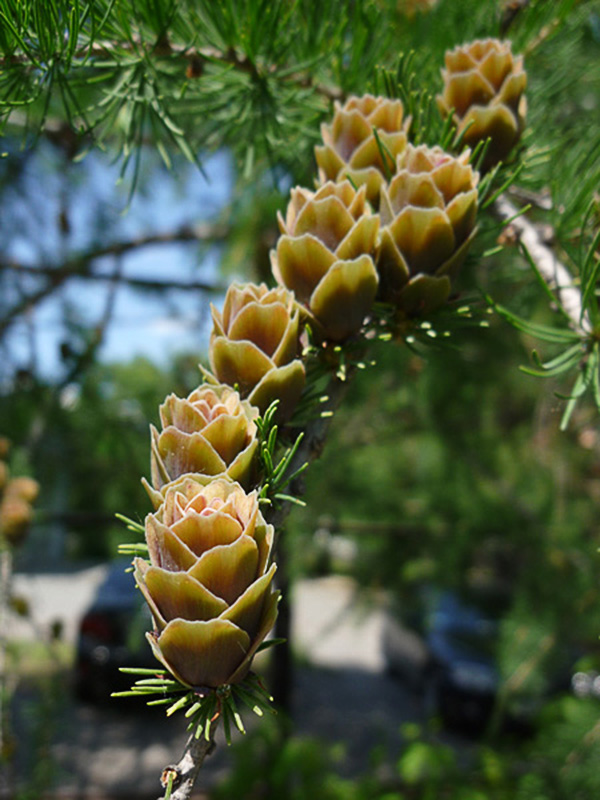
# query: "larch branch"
{"type": "Point", "coordinates": [554, 272]}
{"type": "Point", "coordinates": [183, 774]}
{"type": "Point", "coordinates": [195, 57]}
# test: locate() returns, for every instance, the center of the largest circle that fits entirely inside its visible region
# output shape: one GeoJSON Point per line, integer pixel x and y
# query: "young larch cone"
{"type": "Point", "coordinates": [350, 147]}
{"type": "Point", "coordinates": [428, 219]}
{"type": "Point", "coordinates": [324, 256]}
{"type": "Point", "coordinates": [254, 346]}
{"type": "Point", "coordinates": [484, 85]}
{"type": "Point", "coordinates": [211, 432]}
{"type": "Point", "coordinates": [209, 580]}
{"type": "Point", "coordinates": [412, 7]}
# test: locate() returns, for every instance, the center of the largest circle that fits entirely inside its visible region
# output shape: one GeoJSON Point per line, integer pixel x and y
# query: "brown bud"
{"type": "Point", "coordinates": [195, 67]}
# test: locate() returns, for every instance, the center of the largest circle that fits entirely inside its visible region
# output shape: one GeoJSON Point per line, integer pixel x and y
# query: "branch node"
{"type": "Point", "coordinates": [170, 776]}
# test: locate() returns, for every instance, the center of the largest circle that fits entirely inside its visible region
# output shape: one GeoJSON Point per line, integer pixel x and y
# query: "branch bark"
{"type": "Point", "coordinates": [553, 271]}
{"type": "Point", "coordinates": [126, 280]}
{"type": "Point", "coordinates": [85, 358]}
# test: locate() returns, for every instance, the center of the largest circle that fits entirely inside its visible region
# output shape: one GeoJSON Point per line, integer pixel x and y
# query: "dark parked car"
{"type": "Point", "coordinates": [445, 647]}
{"type": "Point", "coordinates": [111, 635]}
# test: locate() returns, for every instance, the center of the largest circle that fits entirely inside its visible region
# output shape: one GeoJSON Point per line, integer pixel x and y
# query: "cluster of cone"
{"type": "Point", "coordinates": [16, 498]}
{"type": "Point", "coordinates": [389, 222]}
{"type": "Point", "coordinates": [209, 579]}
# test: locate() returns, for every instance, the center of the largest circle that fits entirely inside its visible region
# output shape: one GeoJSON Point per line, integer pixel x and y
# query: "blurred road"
{"type": "Point", "coordinates": [341, 694]}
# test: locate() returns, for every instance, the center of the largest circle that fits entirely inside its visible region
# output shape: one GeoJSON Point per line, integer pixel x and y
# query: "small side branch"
{"type": "Point", "coordinates": [181, 777]}
{"type": "Point", "coordinates": [552, 270]}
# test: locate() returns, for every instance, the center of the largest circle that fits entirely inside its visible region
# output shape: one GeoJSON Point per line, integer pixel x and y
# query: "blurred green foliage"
{"type": "Point", "coordinates": [268, 767]}
{"type": "Point", "coordinates": [88, 444]}
{"type": "Point", "coordinates": [559, 763]}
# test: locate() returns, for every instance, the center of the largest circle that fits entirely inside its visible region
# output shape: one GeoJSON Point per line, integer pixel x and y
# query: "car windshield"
{"type": "Point", "coordinates": [476, 641]}
{"type": "Point", "coordinates": [466, 627]}
{"type": "Point", "coordinates": [118, 586]}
